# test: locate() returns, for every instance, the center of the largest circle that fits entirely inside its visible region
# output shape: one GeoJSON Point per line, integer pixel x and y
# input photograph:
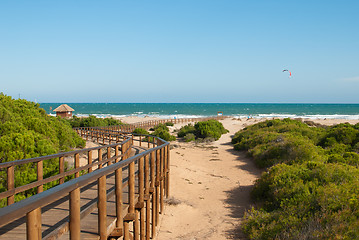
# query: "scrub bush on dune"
{"type": "Point", "coordinates": [310, 189]}
{"type": "Point", "coordinates": [210, 129]}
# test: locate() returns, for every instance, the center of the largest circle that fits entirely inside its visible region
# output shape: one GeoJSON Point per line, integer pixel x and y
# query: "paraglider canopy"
{"type": "Point", "coordinates": [286, 70]}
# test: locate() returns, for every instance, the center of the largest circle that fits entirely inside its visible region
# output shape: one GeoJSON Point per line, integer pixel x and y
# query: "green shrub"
{"type": "Point", "coordinates": [165, 135]}
{"type": "Point", "coordinates": [211, 129]}
{"type": "Point", "coordinates": [26, 131]}
{"type": "Point", "coordinates": [141, 131]}
{"type": "Point", "coordinates": [189, 137]}
{"type": "Point", "coordinates": [169, 124]}
{"type": "Point", "coordinates": [311, 198]}
{"type": "Point", "coordinates": [308, 192]}
{"type": "Point", "coordinates": [93, 121]}
{"type": "Point", "coordinates": [185, 130]}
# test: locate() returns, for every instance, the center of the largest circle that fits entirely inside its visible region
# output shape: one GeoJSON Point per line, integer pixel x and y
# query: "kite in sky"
{"type": "Point", "coordinates": [286, 70]}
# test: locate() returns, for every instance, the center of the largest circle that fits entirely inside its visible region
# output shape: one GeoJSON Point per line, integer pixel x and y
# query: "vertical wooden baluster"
{"type": "Point", "coordinates": [168, 171]}
{"type": "Point", "coordinates": [140, 204]}
{"type": "Point", "coordinates": [147, 197]}
{"type": "Point", "coordinates": [33, 225]}
{"type": "Point", "coordinates": [75, 222]}
{"type": "Point", "coordinates": [161, 178]}
{"type": "Point", "coordinates": [89, 160]}
{"type": "Point", "coordinates": [61, 169]}
{"type": "Point", "coordinates": [100, 158]}
{"type": "Point", "coordinates": [118, 182]}
{"type": "Point", "coordinates": [77, 164]}
{"type": "Point", "coordinates": [10, 184]}
{"type": "Point", "coordinates": [140, 140]}
{"type": "Point", "coordinates": [102, 224]}
{"type": "Point", "coordinates": [40, 175]}
{"type": "Point", "coordinates": [109, 155]}
{"type": "Point", "coordinates": [153, 187]}
{"type": "Point", "coordinates": [131, 187]}
{"type": "Point", "coordinates": [157, 184]}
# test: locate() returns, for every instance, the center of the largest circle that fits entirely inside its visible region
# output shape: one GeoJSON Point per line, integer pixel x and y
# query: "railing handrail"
{"type": "Point", "coordinates": [19, 209]}
{"type": "Point", "coordinates": [56, 155]}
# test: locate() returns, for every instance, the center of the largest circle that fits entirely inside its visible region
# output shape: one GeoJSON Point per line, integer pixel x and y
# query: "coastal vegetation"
{"type": "Point", "coordinates": [310, 189]}
{"type": "Point", "coordinates": [26, 131]}
{"type": "Point", "coordinates": [161, 130]}
{"type": "Point", "coordinates": [205, 130]}
{"type": "Point", "coordinates": [92, 121]}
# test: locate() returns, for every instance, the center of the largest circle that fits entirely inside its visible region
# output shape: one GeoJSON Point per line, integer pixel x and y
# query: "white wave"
{"type": "Point", "coordinates": [277, 115]}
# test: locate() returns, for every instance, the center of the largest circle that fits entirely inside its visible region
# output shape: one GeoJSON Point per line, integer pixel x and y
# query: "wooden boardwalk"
{"type": "Point", "coordinates": [56, 215]}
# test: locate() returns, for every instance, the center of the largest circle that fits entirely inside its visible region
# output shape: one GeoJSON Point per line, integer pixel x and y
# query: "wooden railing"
{"type": "Point", "coordinates": [145, 176]}
{"type": "Point", "coordinates": [151, 123]}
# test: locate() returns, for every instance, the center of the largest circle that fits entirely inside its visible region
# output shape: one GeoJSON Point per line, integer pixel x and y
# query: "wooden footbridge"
{"type": "Point", "coordinates": [117, 189]}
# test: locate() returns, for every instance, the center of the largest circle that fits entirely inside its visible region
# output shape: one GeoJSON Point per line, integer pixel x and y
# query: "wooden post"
{"type": "Point", "coordinates": [161, 178]}
{"type": "Point", "coordinates": [118, 183]}
{"type": "Point", "coordinates": [100, 158]}
{"type": "Point", "coordinates": [33, 224]}
{"type": "Point", "coordinates": [10, 184]}
{"type": "Point", "coordinates": [89, 160]}
{"type": "Point", "coordinates": [75, 221]}
{"type": "Point", "coordinates": [154, 200]}
{"type": "Point", "coordinates": [141, 188]}
{"type": "Point", "coordinates": [77, 164]}
{"type": "Point", "coordinates": [157, 184]}
{"type": "Point", "coordinates": [131, 187]}
{"type": "Point", "coordinates": [168, 171]}
{"type": "Point", "coordinates": [147, 197]}
{"type": "Point", "coordinates": [61, 169]}
{"type": "Point", "coordinates": [108, 156]}
{"type": "Point", "coordinates": [102, 214]}
{"type": "Point", "coordinates": [40, 175]}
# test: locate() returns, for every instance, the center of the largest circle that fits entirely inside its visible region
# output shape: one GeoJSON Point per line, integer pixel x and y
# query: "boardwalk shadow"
{"type": "Point", "coordinates": [247, 164]}
{"type": "Point", "coordinates": [238, 202]}
{"type": "Point", "coordinates": [238, 199]}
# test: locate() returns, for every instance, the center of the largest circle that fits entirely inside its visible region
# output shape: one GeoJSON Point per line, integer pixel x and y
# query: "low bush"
{"type": "Point", "coordinates": [140, 131]}
{"type": "Point", "coordinates": [162, 131]}
{"type": "Point", "coordinates": [189, 137]}
{"type": "Point", "coordinates": [211, 129]}
{"type": "Point", "coordinates": [26, 131]}
{"type": "Point", "coordinates": [185, 130]}
{"type": "Point", "coordinates": [310, 190]}
{"type": "Point", "coordinates": [92, 121]}
{"type": "Point", "coordinates": [169, 124]}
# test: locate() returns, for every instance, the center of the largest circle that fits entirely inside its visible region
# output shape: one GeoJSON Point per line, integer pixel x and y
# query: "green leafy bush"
{"type": "Point", "coordinates": [185, 130]}
{"type": "Point", "coordinates": [211, 129]}
{"type": "Point", "coordinates": [189, 137]}
{"type": "Point", "coordinates": [162, 131]}
{"type": "Point", "coordinates": [170, 124]}
{"type": "Point", "coordinates": [93, 121]}
{"type": "Point", "coordinates": [26, 131]}
{"type": "Point", "coordinates": [141, 131]}
{"type": "Point", "coordinates": [310, 190]}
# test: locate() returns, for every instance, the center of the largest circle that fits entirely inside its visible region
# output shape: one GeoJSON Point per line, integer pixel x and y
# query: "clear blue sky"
{"type": "Point", "coordinates": [180, 51]}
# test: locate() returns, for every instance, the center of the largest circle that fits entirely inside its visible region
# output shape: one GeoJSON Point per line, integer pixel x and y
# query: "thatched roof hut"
{"type": "Point", "coordinates": [64, 110]}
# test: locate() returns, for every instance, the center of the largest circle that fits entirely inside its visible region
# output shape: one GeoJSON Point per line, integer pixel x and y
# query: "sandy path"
{"type": "Point", "coordinates": [211, 183]}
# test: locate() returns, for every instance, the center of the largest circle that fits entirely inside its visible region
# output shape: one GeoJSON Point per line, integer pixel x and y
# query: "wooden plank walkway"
{"type": "Point", "coordinates": [55, 215]}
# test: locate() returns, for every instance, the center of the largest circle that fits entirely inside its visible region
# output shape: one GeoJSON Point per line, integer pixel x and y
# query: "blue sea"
{"type": "Point", "coordinates": [186, 110]}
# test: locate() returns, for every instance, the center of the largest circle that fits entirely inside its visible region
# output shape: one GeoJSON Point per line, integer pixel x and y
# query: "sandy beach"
{"type": "Point", "coordinates": [210, 184]}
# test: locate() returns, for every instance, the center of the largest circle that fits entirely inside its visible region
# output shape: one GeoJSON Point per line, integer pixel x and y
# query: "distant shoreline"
{"type": "Point", "coordinates": [196, 110]}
